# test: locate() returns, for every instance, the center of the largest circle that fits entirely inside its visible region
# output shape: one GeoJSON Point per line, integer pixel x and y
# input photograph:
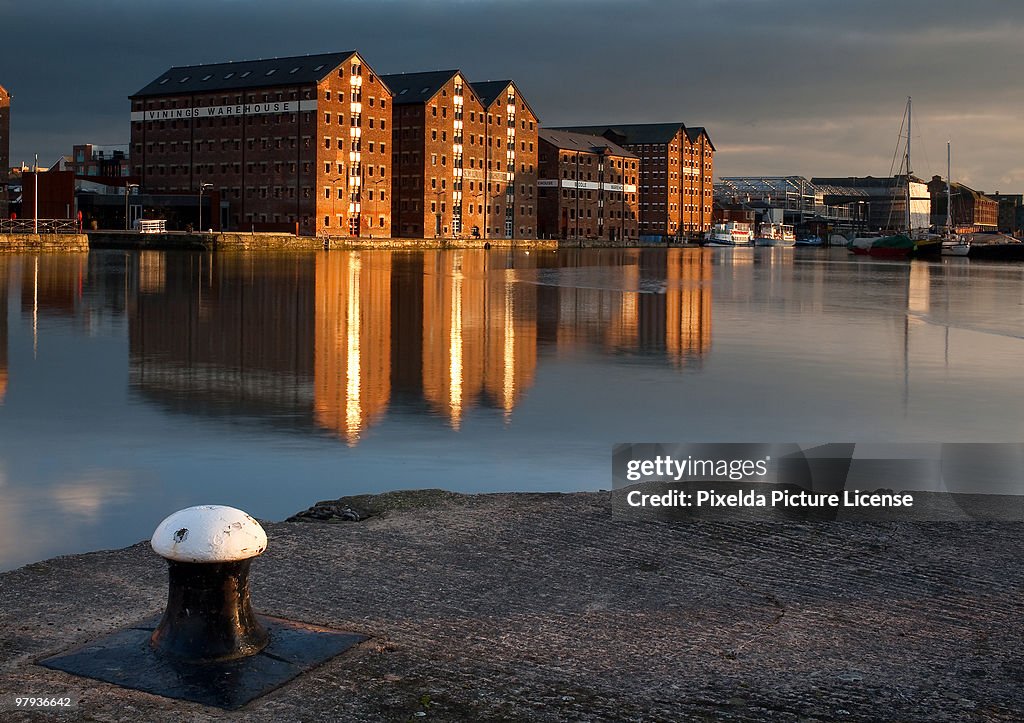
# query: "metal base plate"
{"type": "Point", "coordinates": [125, 658]}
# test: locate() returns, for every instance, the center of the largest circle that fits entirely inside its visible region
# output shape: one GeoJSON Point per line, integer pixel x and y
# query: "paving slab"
{"type": "Point", "coordinates": [543, 607]}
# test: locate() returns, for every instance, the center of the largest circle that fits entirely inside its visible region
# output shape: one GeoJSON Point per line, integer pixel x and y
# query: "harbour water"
{"type": "Point", "coordinates": [134, 384]}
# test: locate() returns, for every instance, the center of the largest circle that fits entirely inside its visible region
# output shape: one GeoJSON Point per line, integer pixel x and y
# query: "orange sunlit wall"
{"type": "Point", "coordinates": [352, 356]}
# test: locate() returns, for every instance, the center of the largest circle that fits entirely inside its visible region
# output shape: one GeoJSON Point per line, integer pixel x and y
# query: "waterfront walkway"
{"type": "Point", "coordinates": [542, 607]}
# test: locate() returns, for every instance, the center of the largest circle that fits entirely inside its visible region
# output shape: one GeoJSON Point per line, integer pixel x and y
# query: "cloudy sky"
{"type": "Point", "coordinates": [807, 87]}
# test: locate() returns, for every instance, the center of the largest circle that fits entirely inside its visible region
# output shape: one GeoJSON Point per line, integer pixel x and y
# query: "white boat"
{"type": "Point", "coordinates": [775, 234]}
{"type": "Point", "coordinates": [730, 233]}
{"type": "Point", "coordinates": [956, 247]}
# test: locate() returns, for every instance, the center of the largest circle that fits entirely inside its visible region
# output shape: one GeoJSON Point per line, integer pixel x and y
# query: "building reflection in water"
{"type": "Point", "coordinates": [352, 357]}
{"type": "Point", "coordinates": [334, 340]}
{"type": "Point", "coordinates": [224, 335]}
{"type": "Point", "coordinates": [479, 331]}
{"type": "Point", "coordinates": [5, 272]}
{"type": "Point", "coordinates": [652, 303]}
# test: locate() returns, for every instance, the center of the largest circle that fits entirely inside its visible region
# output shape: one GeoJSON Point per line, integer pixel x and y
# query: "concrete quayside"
{"type": "Point", "coordinates": [544, 607]}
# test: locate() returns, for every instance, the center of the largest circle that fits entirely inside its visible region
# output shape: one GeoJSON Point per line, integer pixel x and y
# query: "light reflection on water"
{"type": "Point", "coordinates": [133, 384]}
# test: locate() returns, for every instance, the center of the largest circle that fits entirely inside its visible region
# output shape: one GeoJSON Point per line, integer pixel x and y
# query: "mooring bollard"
{"type": "Point", "coordinates": [209, 549]}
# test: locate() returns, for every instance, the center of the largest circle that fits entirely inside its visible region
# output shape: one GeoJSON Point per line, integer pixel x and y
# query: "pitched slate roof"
{"type": "Point", "coordinates": [570, 141]}
{"type": "Point", "coordinates": [293, 70]}
{"type": "Point", "coordinates": [638, 133]}
{"type": "Point", "coordinates": [409, 88]}
{"type": "Point", "coordinates": [632, 133]}
{"type": "Point", "coordinates": [695, 132]}
{"type": "Point", "coordinates": [490, 90]}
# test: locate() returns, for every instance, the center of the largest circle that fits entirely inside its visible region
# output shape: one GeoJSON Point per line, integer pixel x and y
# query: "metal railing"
{"type": "Point", "coordinates": [43, 225]}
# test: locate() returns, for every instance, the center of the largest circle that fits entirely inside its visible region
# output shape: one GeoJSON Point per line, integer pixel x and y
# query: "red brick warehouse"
{"type": "Point", "coordinates": [300, 140]}
{"type": "Point", "coordinates": [676, 175]}
{"type": "Point", "coordinates": [587, 188]}
{"type": "Point", "coordinates": [465, 157]}
{"type": "Point", "coordinates": [512, 160]}
{"type": "Point", "coordinates": [5, 147]}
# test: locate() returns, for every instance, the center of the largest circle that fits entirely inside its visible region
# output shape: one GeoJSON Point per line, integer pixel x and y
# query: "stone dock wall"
{"type": "Point", "coordinates": [48, 242]}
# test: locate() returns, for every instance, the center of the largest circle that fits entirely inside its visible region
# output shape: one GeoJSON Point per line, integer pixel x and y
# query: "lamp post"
{"type": "Point", "coordinates": [35, 195]}
{"type": "Point", "coordinates": [202, 187]}
{"type": "Point", "coordinates": [127, 190]}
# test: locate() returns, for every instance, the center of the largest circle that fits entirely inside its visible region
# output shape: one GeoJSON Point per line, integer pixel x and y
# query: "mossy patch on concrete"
{"type": "Point", "coordinates": [360, 507]}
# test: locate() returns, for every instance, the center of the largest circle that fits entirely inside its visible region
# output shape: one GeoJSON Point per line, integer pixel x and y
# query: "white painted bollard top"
{"type": "Point", "coordinates": [209, 533]}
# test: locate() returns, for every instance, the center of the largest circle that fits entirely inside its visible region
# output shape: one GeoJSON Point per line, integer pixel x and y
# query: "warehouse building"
{"type": "Point", "coordinates": [676, 175]}
{"type": "Point", "coordinates": [587, 188]}
{"type": "Point", "coordinates": [510, 140]}
{"type": "Point", "coordinates": [439, 154]}
{"type": "Point", "coordinates": [299, 143]}
{"type": "Point", "coordinates": [5, 147]}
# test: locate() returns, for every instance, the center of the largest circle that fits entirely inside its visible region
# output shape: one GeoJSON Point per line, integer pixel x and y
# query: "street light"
{"type": "Point", "coordinates": [35, 195]}
{"type": "Point", "coordinates": [202, 187]}
{"type": "Point", "coordinates": [127, 190]}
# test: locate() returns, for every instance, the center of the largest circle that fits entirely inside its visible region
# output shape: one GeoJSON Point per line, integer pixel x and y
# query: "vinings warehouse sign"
{"type": "Point", "coordinates": [224, 111]}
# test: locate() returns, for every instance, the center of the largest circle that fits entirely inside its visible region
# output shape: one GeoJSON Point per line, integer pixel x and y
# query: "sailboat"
{"type": "Point", "coordinates": [904, 245]}
{"type": "Point", "coordinates": [953, 245]}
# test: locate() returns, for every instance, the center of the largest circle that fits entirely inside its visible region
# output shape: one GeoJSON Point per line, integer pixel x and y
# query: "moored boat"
{"type": "Point", "coordinates": [901, 246]}
{"type": "Point", "coordinates": [730, 233]}
{"type": "Point", "coordinates": [775, 234]}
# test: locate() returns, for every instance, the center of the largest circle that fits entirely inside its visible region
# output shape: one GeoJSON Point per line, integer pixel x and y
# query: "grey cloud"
{"type": "Point", "coordinates": [818, 85]}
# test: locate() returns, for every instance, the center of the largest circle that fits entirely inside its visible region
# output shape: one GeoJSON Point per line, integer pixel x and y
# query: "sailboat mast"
{"type": "Point", "coordinates": [906, 165]}
{"type": "Point", "coordinates": [949, 193]}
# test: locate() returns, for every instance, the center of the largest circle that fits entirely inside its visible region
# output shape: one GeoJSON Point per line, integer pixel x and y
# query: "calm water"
{"type": "Point", "coordinates": [134, 384]}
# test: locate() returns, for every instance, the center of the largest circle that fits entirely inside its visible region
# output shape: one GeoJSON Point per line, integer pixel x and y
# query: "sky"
{"type": "Point", "coordinates": [784, 87]}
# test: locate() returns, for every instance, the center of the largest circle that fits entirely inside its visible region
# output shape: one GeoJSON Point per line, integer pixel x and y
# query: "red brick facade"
{"type": "Point", "coordinates": [676, 175]}
{"type": "Point", "coordinates": [5, 146]}
{"type": "Point", "coordinates": [306, 152]}
{"type": "Point", "coordinates": [511, 161]}
{"type": "Point", "coordinates": [587, 188]}
{"type": "Point", "coordinates": [439, 155]}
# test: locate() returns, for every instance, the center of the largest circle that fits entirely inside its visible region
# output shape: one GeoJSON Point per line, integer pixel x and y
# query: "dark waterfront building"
{"type": "Point", "coordinates": [587, 187]}
{"type": "Point", "coordinates": [676, 174]}
{"type": "Point", "coordinates": [972, 210]}
{"type": "Point", "coordinates": [5, 147]}
{"type": "Point", "coordinates": [288, 142]}
{"type": "Point", "coordinates": [439, 155]}
{"type": "Point", "coordinates": [510, 138]}
{"type": "Point", "coordinates": [109, 161]}
{"type": "Point", "coordinates": [1011, 211]}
